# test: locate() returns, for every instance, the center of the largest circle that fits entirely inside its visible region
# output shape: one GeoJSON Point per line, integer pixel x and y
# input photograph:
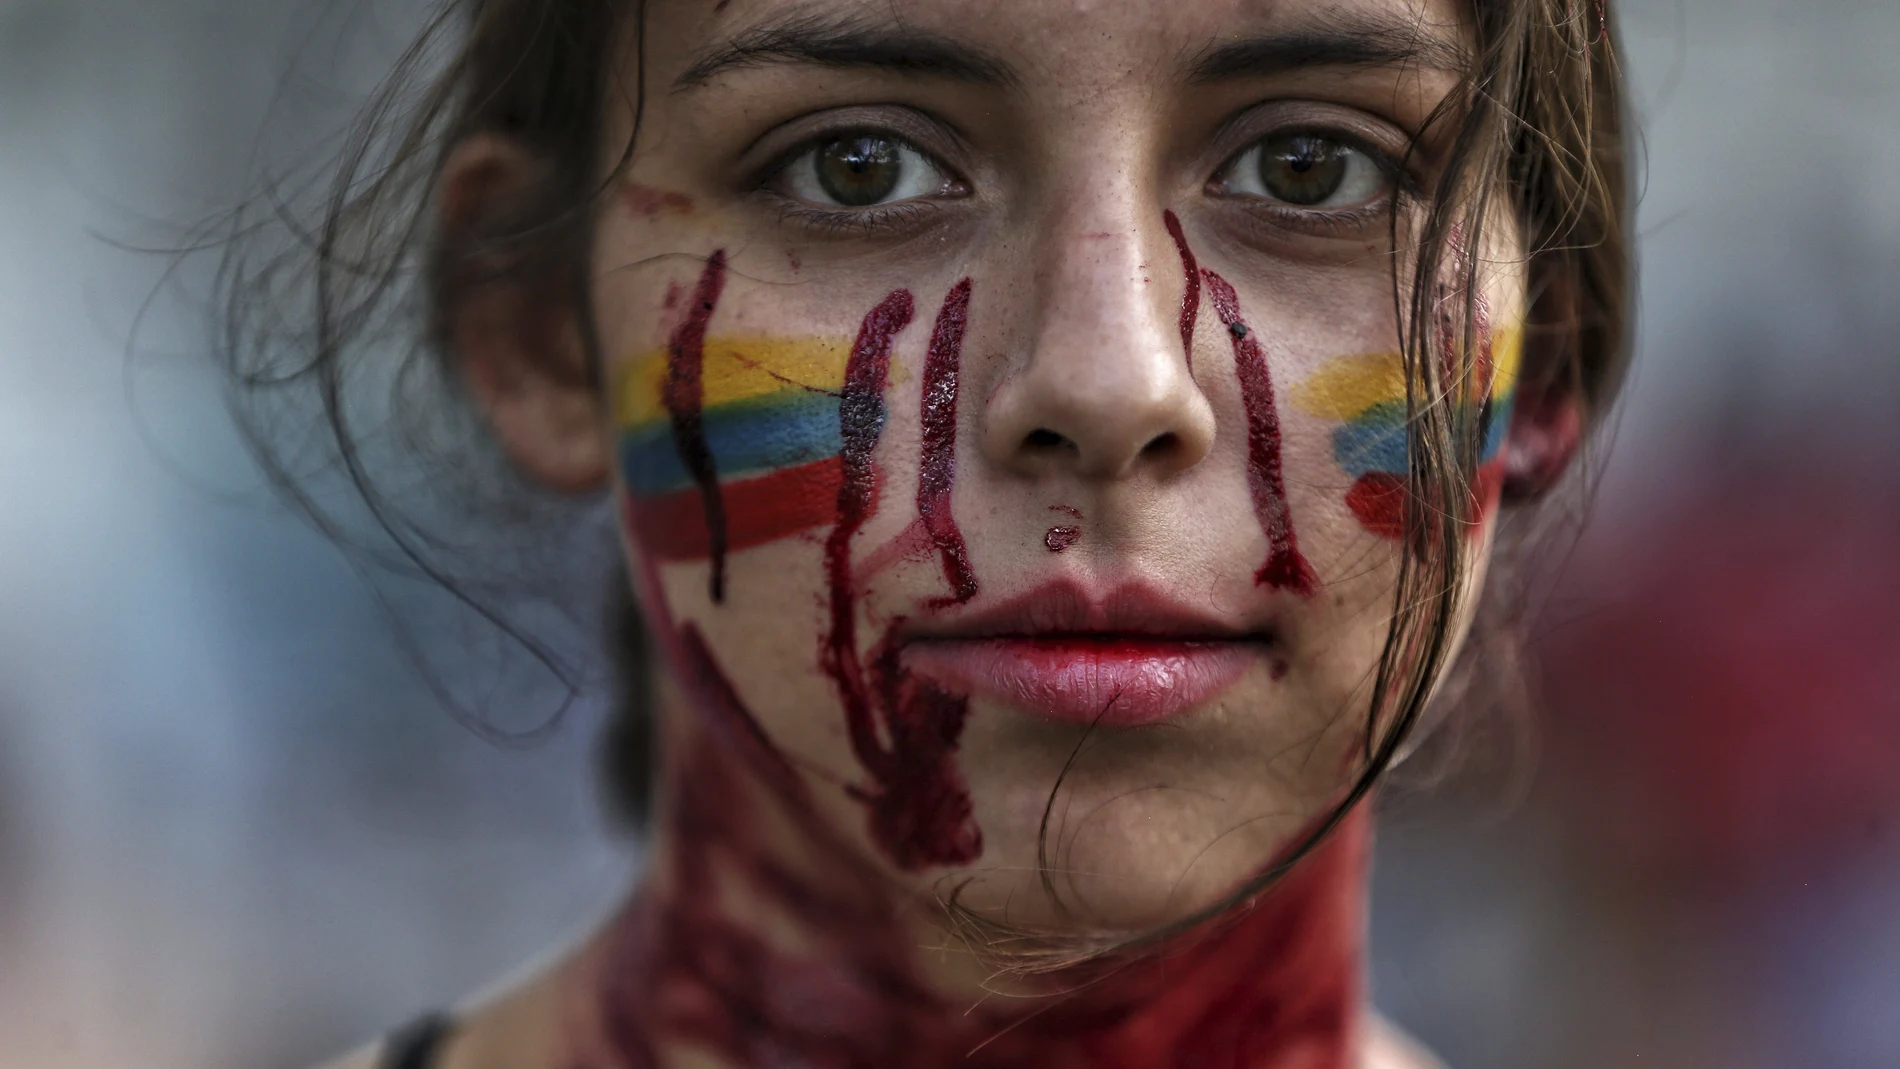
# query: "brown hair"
{"type": "Point", "coordinates": [1538, 122]}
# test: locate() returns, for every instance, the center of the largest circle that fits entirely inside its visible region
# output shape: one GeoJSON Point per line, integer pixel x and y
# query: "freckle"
{"type": "Point", "coordinates": [1061, 538]}
{"type": "Point", "coordinates": [1278, 670]}
{"type": "Point", "coordinates": [672, 296]}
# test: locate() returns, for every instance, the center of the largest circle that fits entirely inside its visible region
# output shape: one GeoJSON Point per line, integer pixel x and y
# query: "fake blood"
{"type": "Point", "coordinates": [684, 397]}
{"type": "Point", "coordinates": [920, 812]}
{"type": "Point", "coordinates": [937, 466]}
{"type": "Point", "coordinates": [1275, 988]}
{"type": "Point", "coordinates": [1191, 295]}
{"type": "Point", "coordinates": [1058, 539]}
{"type": "Point", "coordinates": [1286, 568]}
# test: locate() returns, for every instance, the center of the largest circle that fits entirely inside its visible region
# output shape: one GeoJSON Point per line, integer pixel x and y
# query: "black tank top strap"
{"type": "Point", "coordinates": [416, 1044]}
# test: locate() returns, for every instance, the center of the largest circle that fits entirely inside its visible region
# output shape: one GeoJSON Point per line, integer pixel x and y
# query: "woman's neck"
{"type": "Point", "coordinates": [762, 939]}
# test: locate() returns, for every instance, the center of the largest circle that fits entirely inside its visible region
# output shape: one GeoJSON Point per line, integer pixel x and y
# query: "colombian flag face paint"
{"type": "Point", "coordinates": [769, 412]}
{"type": "Point", "coordinates": [1365, 395]}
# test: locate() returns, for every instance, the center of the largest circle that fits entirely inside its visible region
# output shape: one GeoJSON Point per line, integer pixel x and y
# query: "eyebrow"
{"type": "Point", "coordinates": [1340, 40]}
{"type": "Point", "coordinates": [846, 44]}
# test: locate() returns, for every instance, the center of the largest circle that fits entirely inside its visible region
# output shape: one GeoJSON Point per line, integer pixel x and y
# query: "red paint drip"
{"type": "Point", "coordinates": [1190, 296]}
{"type": "Point", "coordinates": [684, 396]}
{"type": "Point", "coordinates": [861, 415]}
{"type": "Point", "coordinates": [1061, 538]}
{"type": "Point", "coordinates": [1286, 568]}
{"type": "Point", "coordinates": [937, 465]}
{"type": "Point", "coordinates": [920, 812]}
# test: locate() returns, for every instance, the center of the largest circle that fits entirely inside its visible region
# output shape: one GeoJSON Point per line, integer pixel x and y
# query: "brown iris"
{"type": "Point", "coordinates": [859, 170]}
{"type": "Point", "coordinates": [1303, 169]}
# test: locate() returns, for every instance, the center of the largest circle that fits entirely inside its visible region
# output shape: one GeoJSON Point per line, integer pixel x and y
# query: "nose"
{"type": "Point", "coordinates": [1105, 391]}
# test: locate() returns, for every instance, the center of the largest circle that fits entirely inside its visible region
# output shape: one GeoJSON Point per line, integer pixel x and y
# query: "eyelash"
{"type": "Point", "coordinates": [1345, 222]}
{"type": "Point", "coordinates": [908, 214]}
{"type": "Point", "coordinates": [835, 222]}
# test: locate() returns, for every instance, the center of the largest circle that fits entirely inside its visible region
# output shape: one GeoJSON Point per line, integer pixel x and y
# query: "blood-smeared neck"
{"type": "Point", "coordinates": [764, 939]}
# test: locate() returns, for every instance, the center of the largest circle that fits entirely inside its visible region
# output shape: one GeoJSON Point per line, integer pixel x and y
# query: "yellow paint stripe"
{"type": "Point", "coordinates": [1348, 385]}
{"type": "Point", "coordinates": [1507, 355]}
{"type": "Point", "coordinates": [737, 368]}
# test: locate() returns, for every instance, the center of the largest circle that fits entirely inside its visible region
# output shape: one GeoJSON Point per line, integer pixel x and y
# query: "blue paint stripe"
{"type": "Point", "coordinates": [778, 432]}
{"type": "Point", "coordinates": [1375, 441]}
{"type": "Point", "coordinates": [1500, 427]}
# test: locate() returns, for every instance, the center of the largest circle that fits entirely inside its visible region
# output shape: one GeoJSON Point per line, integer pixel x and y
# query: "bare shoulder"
{"type": "Point", "coordinates": [1389, 1048]}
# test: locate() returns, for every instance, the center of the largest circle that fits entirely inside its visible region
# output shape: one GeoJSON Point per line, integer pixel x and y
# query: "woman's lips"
{"type": "Point", "coordinates": [1124, 655]}
{"type": "Point", "coordinates": [1117, 680]}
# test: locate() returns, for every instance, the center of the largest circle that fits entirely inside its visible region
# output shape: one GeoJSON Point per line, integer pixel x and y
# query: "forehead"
{"type": "Point", "coordinates": [1074, 43]}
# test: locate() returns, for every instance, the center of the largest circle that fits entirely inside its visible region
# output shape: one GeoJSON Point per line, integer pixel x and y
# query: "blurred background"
{"type": "Point", "coordinates": [236, 831]}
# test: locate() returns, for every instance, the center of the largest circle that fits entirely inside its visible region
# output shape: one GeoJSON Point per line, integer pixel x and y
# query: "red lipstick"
{"type": "Point", "coordinates": [1124, 657]}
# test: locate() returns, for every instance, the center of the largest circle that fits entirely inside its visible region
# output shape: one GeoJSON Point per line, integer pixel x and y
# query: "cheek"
{"type": "Point", "coordinates": [728, 442]}
{"type": "Point", "coordinates": [1360, 401]}
{"type": "Point", "coordinates": [752, 457]}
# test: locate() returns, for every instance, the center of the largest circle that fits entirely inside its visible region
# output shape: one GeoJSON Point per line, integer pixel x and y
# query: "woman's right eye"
{"type": "Point", "coordinates": [863, 170]}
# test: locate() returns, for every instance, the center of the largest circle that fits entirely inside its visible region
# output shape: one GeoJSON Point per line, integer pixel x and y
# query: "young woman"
{"type": "Point", "coordinates": [1057, 445]}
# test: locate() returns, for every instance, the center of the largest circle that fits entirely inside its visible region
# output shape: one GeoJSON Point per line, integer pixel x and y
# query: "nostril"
{"type": "Point", "coordinates": [1044, 440]}
{"type": "Point", "coordinates": [1162, 446]}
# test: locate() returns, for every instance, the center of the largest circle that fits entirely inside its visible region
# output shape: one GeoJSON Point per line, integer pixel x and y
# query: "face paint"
{"type": "Point", "coordinates": [1191, 293]}
{"type": "Point", "coordinates": [1365, 394]}
{"type": "Point", "coordinates": [733, 442]}
{"type": "Point", "coordinates": [1279, 979]}
{"type": "Point", "coordinates": [730, 442]}
{"type": "Point", "coordinates": [1286, 568]}
{"type": "Point", "coordinates": [920, 809]}
{"type": "Point", "coordinates": [937, 466]}
{"type": "Point", "coordinates": [683, 394]}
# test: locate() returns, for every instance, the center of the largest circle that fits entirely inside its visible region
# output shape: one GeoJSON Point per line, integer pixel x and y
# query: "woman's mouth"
{"type": "Point", "coordinates": [1129, 658]}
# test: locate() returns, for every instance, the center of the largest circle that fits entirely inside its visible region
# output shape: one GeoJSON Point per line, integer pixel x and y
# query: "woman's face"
{"type": "Point", "coordinates": [1007, 393]}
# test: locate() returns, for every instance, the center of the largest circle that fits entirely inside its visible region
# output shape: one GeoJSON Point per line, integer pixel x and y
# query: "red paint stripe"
{"type": "Point", "coordinates": [672, 527]}
{"type": "Point", "coordinates": [684, 395]}
{"type": "Point", "coordinates": [1191, 296]}
{"type": "Point", "coordinates": [937, 462]}
{"type": "Point", "coordinates": [1286, 567]}
{"type": "Point", "coordinates": [1377, 501]}
{"type": "Point", "coordinates": [861, 414]}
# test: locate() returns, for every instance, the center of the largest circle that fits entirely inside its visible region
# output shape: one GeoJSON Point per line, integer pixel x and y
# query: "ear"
{"type": "Point", "coordinates": [1547, 414]}
{"type": "Point", "coordinates": [511, 316]}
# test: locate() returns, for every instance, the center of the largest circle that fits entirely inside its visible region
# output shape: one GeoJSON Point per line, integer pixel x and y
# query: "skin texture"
{"type": "Point", "coordinates": [837, 433]}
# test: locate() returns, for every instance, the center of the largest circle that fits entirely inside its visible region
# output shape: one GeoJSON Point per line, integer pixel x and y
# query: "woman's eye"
{"type": "Point", "coordinates": [863, 171]}
{"type": "Point", "coordinates": [1308, 171]}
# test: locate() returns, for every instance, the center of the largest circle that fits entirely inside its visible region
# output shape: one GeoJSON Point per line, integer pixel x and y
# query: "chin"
{"type": "Point", "coordinates": [1127, 828]}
